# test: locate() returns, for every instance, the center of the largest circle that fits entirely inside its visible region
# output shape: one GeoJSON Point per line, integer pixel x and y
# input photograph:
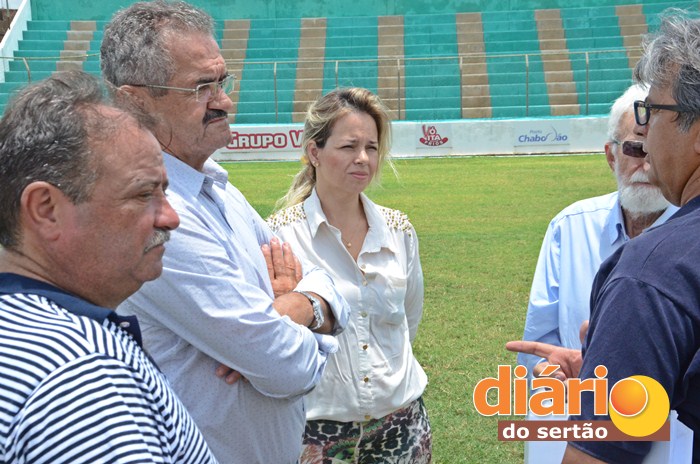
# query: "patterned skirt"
{"type": "Point", "coordinates": [402, 437]}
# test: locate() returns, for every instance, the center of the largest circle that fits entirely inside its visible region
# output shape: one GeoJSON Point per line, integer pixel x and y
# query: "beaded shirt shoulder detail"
{"type": "Point", "coordinates": [286, 216]}
{"type": "Point", "coordinates": [396, 219]}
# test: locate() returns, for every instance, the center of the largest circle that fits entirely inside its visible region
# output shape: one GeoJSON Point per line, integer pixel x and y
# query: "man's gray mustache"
{"type": "Point", "coordinates": [159, 237]}
{"type": "Point", "coordinates": [639, 177]}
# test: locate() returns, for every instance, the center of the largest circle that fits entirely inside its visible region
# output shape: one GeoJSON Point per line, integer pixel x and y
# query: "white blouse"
{"type": "Point", "coordinates": [374, 373]}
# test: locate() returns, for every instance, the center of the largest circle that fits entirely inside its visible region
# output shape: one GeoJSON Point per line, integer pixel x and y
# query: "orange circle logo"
{"type": "Point", "coordinates": [639, 405]}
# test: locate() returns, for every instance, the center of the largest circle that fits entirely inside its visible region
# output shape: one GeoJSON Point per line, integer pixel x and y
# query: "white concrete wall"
{"type": "Point", "coordinates": [14, 35]}
{"type": "Point", "coordinates": [444, 138]}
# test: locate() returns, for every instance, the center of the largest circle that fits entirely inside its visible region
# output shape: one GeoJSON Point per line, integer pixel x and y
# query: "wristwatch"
{"type": "Point", "coordinates": [318, 312]}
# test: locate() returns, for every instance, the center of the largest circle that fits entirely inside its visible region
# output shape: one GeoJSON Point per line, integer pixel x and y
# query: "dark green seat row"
{"type": "Point", "coordinates": [432, 86]}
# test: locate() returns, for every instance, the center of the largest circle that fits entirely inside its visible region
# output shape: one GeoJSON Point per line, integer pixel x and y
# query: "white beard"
{"type": "Point", "coordinates": [639, 199]}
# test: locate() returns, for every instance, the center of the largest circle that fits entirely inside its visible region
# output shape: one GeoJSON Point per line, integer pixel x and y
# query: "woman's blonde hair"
{"type": "Point", "coordinates": [320, 119]}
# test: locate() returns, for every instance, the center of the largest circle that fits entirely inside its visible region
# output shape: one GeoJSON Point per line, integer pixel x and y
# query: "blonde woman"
{"type": "Point", "coordinates": [368, 407]}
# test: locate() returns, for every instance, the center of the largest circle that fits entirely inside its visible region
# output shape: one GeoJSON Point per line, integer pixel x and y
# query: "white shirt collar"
{"type": "Point", "coordinates": [377, 236]}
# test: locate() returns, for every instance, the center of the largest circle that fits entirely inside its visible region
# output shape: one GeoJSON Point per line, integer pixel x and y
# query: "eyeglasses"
{"type": "Point", "coordinates": [633, 148]}
{"type": "Point", "coordinates": [203, 92]}
{"type": "Point", "coordinates": [642, 110]}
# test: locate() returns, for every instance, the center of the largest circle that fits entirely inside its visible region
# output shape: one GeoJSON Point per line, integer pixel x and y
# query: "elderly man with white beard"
{"type": "Point", "coordinates": [580, 238]}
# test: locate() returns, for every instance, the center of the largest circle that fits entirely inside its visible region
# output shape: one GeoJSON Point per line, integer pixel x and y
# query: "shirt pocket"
{"type": "Point", "coordinates": [390, 326]}
{"type": "Point", "coordinates": [392, 291]}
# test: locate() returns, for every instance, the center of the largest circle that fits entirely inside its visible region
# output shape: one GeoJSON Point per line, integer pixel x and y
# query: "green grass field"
{"type": "Point", "coordinates": [480, 221]}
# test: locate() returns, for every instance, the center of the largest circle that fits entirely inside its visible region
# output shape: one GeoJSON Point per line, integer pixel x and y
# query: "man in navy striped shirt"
{"type": "Point", "coordinates": [83, 220]}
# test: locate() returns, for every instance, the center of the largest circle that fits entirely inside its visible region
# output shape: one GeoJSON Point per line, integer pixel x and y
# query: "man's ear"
{"type": "Point", "coordinates": [696, 144]}
{"type": "Point", "coordinates": [42, 208]}
{"type": "Point", "coordinates": [132, 95]}
{"type": "Point", "coordinates": [609, 155]}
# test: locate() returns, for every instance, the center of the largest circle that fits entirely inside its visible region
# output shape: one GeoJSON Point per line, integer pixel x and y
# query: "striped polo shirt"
{"type": "Point", "coordinates": [76, 387]}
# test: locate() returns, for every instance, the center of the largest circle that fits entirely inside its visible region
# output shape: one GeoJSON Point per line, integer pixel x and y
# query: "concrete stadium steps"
{"type": "Point", "coordinates": [421, 36]}
{"type": "Point", "coordinates": [560, 32]}
{"type": "Point", "coordinates": [56, 45]}
{"type": "Point", "coordinates": [625, 26]}
{"type": "Point", "coordinates": [500, 39]}
{"type": "Point", "coordinates": [47, 47]}
{"type": "Point", "coordinates": [518, 111]}
{"type": "Point", "coordinates": [255, 49]}
{"type": "Point", "coordinates": [310, 66]}
{"type": "Point", "coordinates": [633, 25]}
{"type": "Point", "coordinates": [466, 64]}
{"type": "Point", "coordinates": [36, 66]}
{"type": "Point", "coordinates": [353, 39]}
{"type": "Point", "coordinates": [234, 45]}
{"type": "Point", "coordinates": [609, 75]}
{"type": "Point", "coordinates": [476, 95]}
{"type": "Point", "coordinates": [556, 65]}
{"type": "Point", "coordinates": [391, 73]}
{"type": "Point", "coordinates": [8, 88]}
{"type": "Point", "coordinates": [23, 76]}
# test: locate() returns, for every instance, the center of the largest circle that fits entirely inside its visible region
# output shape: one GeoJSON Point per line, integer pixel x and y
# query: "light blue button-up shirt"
{"type": "Point", "coordinates": [213, 304]}
{"type": "Point", "coordinates": [577, 241]}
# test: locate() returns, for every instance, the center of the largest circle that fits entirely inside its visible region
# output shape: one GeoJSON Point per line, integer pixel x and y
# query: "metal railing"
{"type": "Point", "coordinates": [391, 73]}
{"type": "Point", "coordinates": [393, 93]}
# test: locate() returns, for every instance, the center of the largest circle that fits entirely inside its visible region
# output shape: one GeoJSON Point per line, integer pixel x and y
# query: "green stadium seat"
{"type": "Point", "coordinates": [257, 80]}
{"type": "Point", "coordinates": [47, 25]}
{"type": "Point", "coordinates": [437, 91]}
{"type": "Point", "coordinates": [432, 87]}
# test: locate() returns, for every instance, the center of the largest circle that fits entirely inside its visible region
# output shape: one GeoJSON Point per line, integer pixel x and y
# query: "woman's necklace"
{"type": "Point", "coordinates": [357, 232]}
{"type": "Point", "coordinates": [347, 240]}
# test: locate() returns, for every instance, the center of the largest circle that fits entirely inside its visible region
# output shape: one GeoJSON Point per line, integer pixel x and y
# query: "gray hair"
{"type": "Point", "coordinates": [672, 59]}
{"type": "Point", "coordinates": [134, 47]}
{"type": "Point", "coordinates": [623, 106]}
{"type": "Point", "coordinates": [44, 137]}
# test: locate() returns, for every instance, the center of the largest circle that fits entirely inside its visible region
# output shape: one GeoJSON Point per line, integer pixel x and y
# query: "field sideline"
{"type": "Point", "coordinates": [480, 221]}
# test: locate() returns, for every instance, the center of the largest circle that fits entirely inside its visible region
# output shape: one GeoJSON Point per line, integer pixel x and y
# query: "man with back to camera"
{"type": "Point", "coordinates": [83, 220]}
{"type": "Point", "coordinates": [216, 303]}
{"type": "Point", "coordinates": [580, 238]}
{"type": "Point", "coordinates": [645, 317]}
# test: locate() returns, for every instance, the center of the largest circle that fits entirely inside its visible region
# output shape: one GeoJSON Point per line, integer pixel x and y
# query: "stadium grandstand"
{"type": "Point", "coordinates": [471, 62]}
{"type": "Point", "coordinates": [504, 61]}
{"type": "Point", "coordinates": [460, 77]}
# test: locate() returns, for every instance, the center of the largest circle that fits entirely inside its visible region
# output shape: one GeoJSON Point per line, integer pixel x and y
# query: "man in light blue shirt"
{"type": "Point", "coordinates": [217, 301]}
{"type": "Point", "coordinates": [583, 235]}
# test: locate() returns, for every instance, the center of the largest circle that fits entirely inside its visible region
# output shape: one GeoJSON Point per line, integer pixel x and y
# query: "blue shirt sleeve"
{"type": "Point", "coordinates": [542, 321]}
{"type": "Point", "coordinates": [635, 330]}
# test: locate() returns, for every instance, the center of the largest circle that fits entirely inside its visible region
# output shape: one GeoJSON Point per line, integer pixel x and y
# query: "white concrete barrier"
{"type": "Point", "coordinates": [14, 34]}
{"type": "Point", "coordinates": [437, 138]}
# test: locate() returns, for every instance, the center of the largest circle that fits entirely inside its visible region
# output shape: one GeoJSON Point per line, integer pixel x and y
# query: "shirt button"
{"type": "Point", "coordinates": [125, 325]}
{"type": "Point", "coordinates": [366, 379]}
{"type": "Point", "coordinates": [364, 283]}
{"type": "Point", "coordinates": [364, 347]}
{"type": "Point", "coordinates": [363, 267]}
{"type": "Point", "coordinates": [363, 314]}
